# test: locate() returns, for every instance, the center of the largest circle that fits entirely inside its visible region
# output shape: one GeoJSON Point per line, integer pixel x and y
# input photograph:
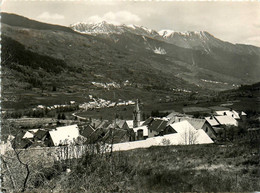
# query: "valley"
{"type": "Point", "coordinates": [102, 107]}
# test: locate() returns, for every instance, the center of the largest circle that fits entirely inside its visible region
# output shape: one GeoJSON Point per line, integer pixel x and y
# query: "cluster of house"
{"type": "Point", "coordinates": [176, 128]}
{"type": "Point", "coordinates": [102, 103]}
{"type": "Point", "coordinates": [55, 106]}
{"type": "Point", "coordinates": [111, 84]}
{"type": "Point", "coordinates": [106, 85]}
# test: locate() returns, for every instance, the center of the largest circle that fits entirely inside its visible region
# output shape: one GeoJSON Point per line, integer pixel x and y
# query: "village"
{"type": "Point", "coordinates": [172, 129]}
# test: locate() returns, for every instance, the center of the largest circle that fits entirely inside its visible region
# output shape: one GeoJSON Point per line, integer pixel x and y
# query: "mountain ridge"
{"type": "Point", "coordinates": [143, 55]}
{"type": "Point", "coordinates": [199, 40]}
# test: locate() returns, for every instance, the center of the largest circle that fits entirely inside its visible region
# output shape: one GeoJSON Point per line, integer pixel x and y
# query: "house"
{"type": "Point", "coordinates": [226, 120]}
{"type": "Point", "coordinates": [104, 124]}
{"type": "Point", "coordinates": [178, 138]}
{"type": "Point", "coordinates": [130, 123]}
{"type": "Point", "coordinates": [199, 124]}
{"type": "Point", "coordinates": [157, 127]}
{"type": "Point", "coordinates": [40, 135]}
{"type": "Point", "coordinates": [64, 135]}
{"type": "Point", "coordinates": [141, 132]}
{"type": "Point", "coordinates": [122, 124]}
{"type": "Point", "coordinates": [243, 116]}
{"type": "Point", "coordinates": [218, 122]}
{"type": "Point", "coordinates": [212, 121]}
{"type": "Point", "coordinates": [95, 122]}
{"type": "Point", "coordinates": [25, 143]}
{"type": "Point", "coordinates": [153, 127]}
{"type": "Point", "coordinates": [30, 134]}
{"type": "Point", "coordinates": [116, 135]}
{"type": "Point", "coordinates": [189, 134]}
{"type": "Point", "coordinates": [42, 138]}
{"type": "Point", "coordinates": [86, 130]}
{"type": "Point", "coordinates": [231, 113]}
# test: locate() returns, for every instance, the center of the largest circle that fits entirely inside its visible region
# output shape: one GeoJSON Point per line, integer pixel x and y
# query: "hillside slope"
{"type": "Point", "coordinates": [235, 60]}
{"type": "Point", "coordinates": [51, 55]}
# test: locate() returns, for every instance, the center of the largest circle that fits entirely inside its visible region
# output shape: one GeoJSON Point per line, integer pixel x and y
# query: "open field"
{"type": "Point", "coordinates": [195, 168]}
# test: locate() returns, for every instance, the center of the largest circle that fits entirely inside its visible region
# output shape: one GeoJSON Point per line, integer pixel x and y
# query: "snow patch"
{"type": "Point", "coordinates": [214, 82]}
{"type": "Point", "coordinates": [159, 51]}
{"type": "Point", "coordinates": [166, 33]}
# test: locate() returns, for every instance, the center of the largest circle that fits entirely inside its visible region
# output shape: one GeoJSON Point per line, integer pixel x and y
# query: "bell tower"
{"type": "Point", "coordinates": [136, 115]}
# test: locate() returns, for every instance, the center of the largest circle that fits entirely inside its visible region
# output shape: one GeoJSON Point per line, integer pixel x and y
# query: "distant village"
{"type": "Point", "coordinates": [173, 129]}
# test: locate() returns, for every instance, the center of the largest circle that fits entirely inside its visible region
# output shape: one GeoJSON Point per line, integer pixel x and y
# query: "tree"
{"type": "Point", "coordinates": [190, 136]}
{"type": "Point", "coordinates": [54, 88]}
{"type": "Point", "coordinates": [63, 117]}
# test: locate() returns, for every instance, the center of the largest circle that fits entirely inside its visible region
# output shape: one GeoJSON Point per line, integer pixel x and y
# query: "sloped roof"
{"type": "Point", "coordinates": [189, 134]}
{"type": "Point", "coordinates": [144, 128]}
{"type": "Point", "coordinates": [226, 120]}
{"type": "Point", "coordinates": [30, 133]}
{"type": "Point", "coordinates": [157, 125]}
{"type": "Point", "coordinates": [183, 127]}
{"type": "Point", "coordinates": [212, 121]}
{"type": "Point", "coordinates": [231, 113]}
{"type": "Point", "coordinates": [103, 124]}
{"type": "Point", "coordinates": [171, 121]}
{"type": "Point", "coordinates": [130, 123]}
{"type": "Point", "coordinates": [64, 135]}
{"type": "Point", "coordinates": [115, 135]}
{"type": "Point", "coordinates": [196, 123]}
{"type": "Point", "coordinates": [40, 133]}
{"type": "Point", "coordinates": [87, 130]}
{"type": "Point", "coordinates": [170, 139]}
{"type": "Point", "coordinates": [148, 121]}
{"type": "Point", "coordinates": [243, 113]}
{"type": "Point", "coordinates": [95, 123]}
{"type": "Point", "coordinates": [25, 143]}
{"type": "Point", "coordinates": [120, 123]}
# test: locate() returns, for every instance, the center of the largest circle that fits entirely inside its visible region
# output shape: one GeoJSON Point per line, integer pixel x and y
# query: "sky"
{"type": "Point", "coordinates": [236, 22]}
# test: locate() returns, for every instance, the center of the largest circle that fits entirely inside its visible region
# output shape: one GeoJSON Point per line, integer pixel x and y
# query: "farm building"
{"type": "Point", "coordinates": [30, 134]}
{"type": "Point", "coordinates": [231, 113]}
{"type": "Point", "coordinates": [217, 121]}
{"type": "Point", "coordinates": [226, 120]}
{"type": "Point", "coordinates": [116, 135]}
{"type": "Point", "coordinates": [197, 124]}
{"type": "Point", "coordinates": [141, 132]}
{"type": "Point", "coordinates": [86, 130]}
{"type": "Point", "coordinates": [64, 135]}
{"type": "Point", "coordinates": [178, 138]}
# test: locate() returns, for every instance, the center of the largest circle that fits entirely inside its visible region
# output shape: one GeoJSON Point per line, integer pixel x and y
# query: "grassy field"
{"type": "Point", "coordinates": [230, 167]}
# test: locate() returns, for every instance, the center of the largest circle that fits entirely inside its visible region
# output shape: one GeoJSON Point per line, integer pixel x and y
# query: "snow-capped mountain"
{"type": "Point", "coordinates": [109, 28]}
{"type": "Point", "coordinates": [190, 39]}
{"type": "Point", "coordinates": [203, 40]}
{"type": "Point", "coordinates": [198, 40]}
{"type": "Point", "coordinates": [141, 55]}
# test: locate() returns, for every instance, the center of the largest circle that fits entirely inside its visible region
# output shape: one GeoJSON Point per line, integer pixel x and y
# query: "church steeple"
{"type": "Point", "coordinates": [136, 115]}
